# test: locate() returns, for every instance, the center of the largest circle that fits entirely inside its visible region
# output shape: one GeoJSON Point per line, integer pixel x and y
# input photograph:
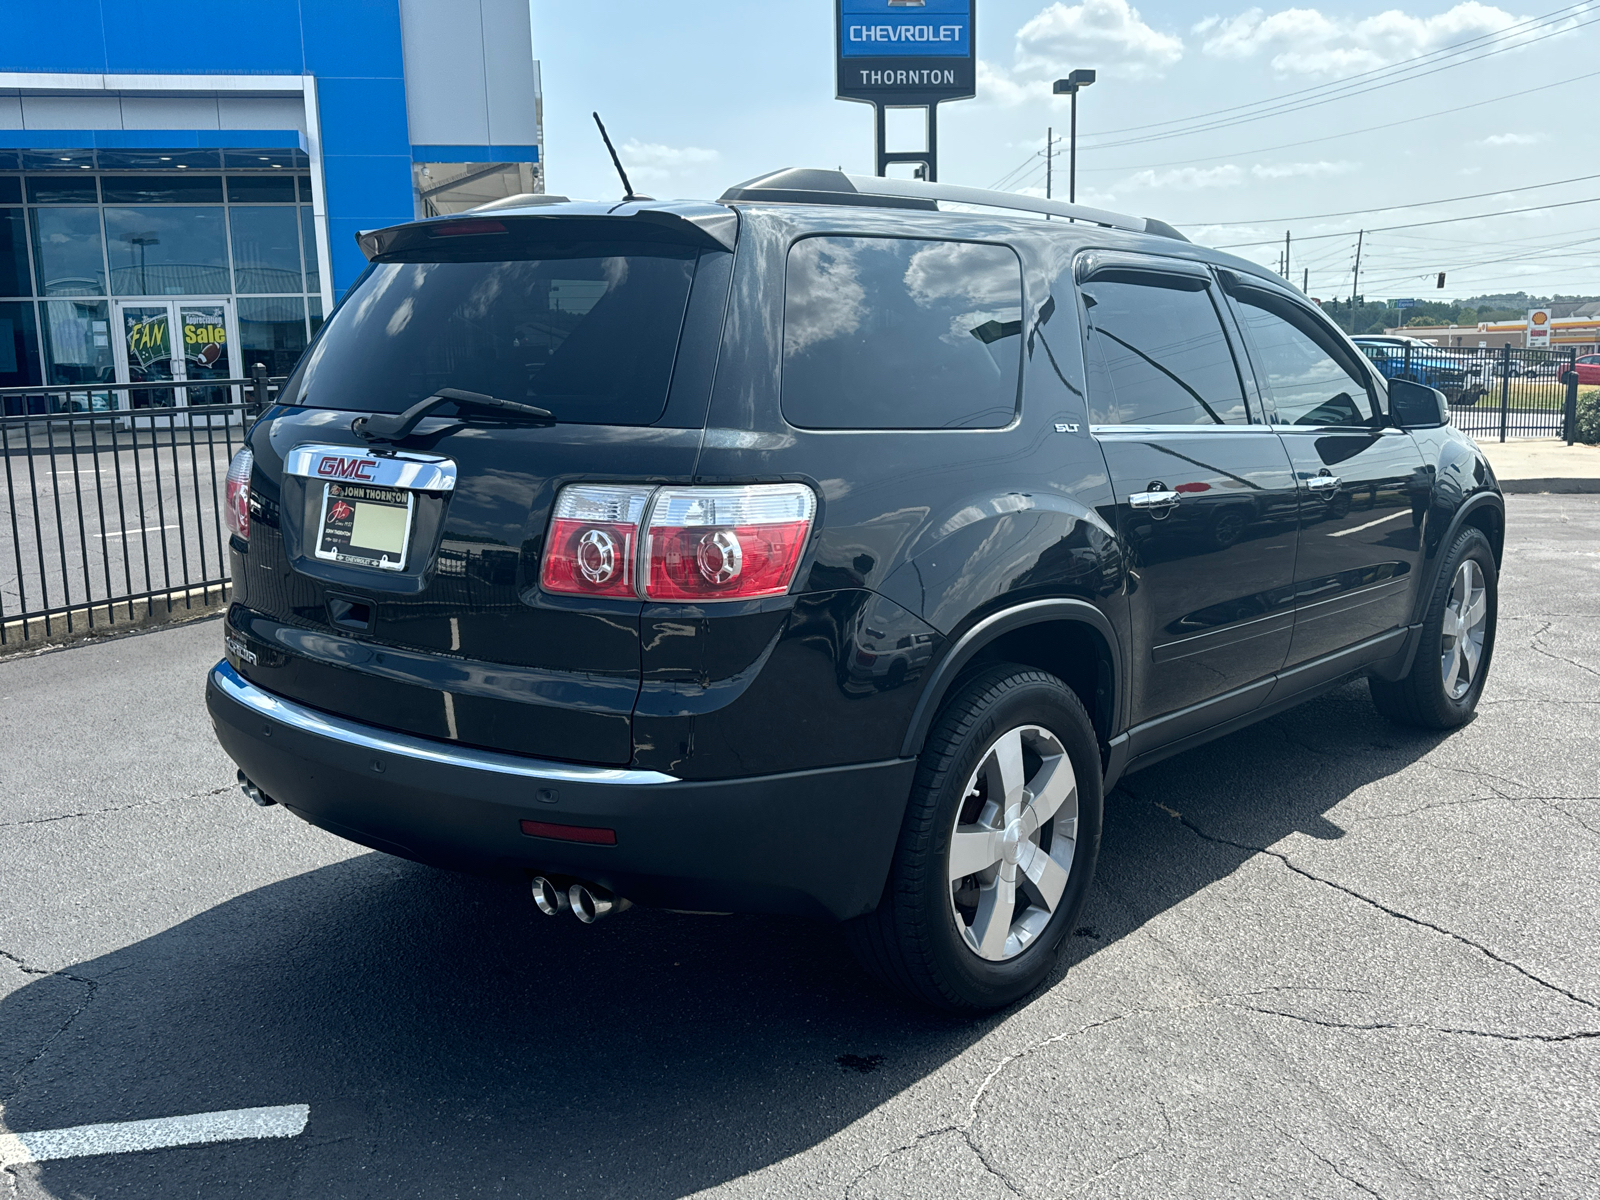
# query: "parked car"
{"type": "Point", "coordinates": [1397, 357]}
{"type": "Point", "coordinates": [1588, 369]}
{"type": "Point", "coordinates": [817, 551]}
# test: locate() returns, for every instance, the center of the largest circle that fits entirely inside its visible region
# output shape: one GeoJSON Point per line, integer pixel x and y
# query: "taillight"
{"type": "Point", "coordinates": [594, 537]}
{"type": "Point", "coordinates": [236, 496]}
{"type": "Point", "coordinates": [702, 543]}
{"type": "Point", "coordinates": [726, 543]}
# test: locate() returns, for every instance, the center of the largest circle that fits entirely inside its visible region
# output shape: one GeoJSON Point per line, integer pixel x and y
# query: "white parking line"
{"type": "Point", "coordinates": [126, 532]}
{"type": "Point", "coordinates": [125, 1137]}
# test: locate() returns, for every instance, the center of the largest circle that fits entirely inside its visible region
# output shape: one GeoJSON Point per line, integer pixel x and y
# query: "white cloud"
{"type": "Point", "coordinates": [1513, 139]}
{"type": "Point", "coordinates": [651, 162]}
{"type": "Point", "coordinates": [1302, 170]}
{"type": "Point", "coordinates": [1109, 31]}
{"type": "Point", "coordinates": [995, 83]}
{"type": "Point", "coordinates": [1187, 177]}
{"type": "Point", "coordinates": [1303, 41]}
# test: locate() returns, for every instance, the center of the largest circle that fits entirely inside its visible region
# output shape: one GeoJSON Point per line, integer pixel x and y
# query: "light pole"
{"type": "Point", "coordinates": [1070, 86]}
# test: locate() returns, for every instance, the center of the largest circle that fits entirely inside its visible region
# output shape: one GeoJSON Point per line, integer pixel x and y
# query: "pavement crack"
{"type": "Point", "coordinates": [19, 1075]}
{"type": "Point", "coordinates": [1576, 1035]}
{"type": "Point", "coordinates": [1381, 907]}
{"type": "Point", "coordinates": [100, 812]}
{"type": "Point", "coordinates": [1533, 642]}
{"type": "Point", "coordinates": [1336, 1168]}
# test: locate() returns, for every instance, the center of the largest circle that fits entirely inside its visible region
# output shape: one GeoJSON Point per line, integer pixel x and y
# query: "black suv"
{"type": "Point", "coordinates": [821, 551]}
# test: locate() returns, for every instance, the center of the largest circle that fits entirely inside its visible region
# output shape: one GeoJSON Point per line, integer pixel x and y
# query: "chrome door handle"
{"type": "Point", "coordinates": [1322, 483]}
{"type": "Point", "coordinates": [1158, 499]}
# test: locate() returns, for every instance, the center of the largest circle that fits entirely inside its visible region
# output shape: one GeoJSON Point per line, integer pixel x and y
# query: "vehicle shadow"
{"type": "Point", "coordinates": [448, 1038]}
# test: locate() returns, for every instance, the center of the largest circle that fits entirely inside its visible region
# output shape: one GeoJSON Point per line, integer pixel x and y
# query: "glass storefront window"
{"type": "Point", "coordinates": [167, 188]}
{"type": "Point", "coordinates": [62, 189]}
{"type": "Point", "coordinates": [261, 189]}
{"type": "Point", "coordinates": [19, 345]}
{"type": "Point", "coordinates": [167, 251]}
{"type": "Point", "coordinates": [266, 249]}
{"type": "Point", "coordinates": [315, 303]}
{"type": "Point", "coordinates": [272, 332]}
{"type": "Point", "coordinates": [68, 253]}
{"type": "Point", "coordinates": [77, 346]}
{"type": "Point", "coordinates": [308, 238]}
{"type": "Point", "coordinates": [14, 279]}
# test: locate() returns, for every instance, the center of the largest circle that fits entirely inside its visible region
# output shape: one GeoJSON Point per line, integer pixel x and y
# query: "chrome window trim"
{"type": "Point", "coordinates": [395, 469]}
{"type": "Point", "coordinates": [351, 733]}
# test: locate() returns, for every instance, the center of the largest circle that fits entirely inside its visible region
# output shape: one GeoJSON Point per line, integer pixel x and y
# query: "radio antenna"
{"type": "Point", "coordinates": [627, 188]}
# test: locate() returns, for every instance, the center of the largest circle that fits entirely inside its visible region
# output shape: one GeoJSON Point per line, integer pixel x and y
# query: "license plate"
{"type": "Point", "coordinates": [365, 526]}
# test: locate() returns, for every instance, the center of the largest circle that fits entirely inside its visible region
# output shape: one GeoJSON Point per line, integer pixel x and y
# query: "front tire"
{"type": "Point", "coordinates": [998, 847]}
{"type": "Point", "coordinates": [1447, 676]}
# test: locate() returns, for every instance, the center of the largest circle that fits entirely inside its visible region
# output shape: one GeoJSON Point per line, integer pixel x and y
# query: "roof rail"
{"type": "Point", "coordinates": [802, 185]}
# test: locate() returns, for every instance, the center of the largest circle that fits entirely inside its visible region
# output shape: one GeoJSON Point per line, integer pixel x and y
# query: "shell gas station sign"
{"type": "Point", "coordinates": [1538, 327]}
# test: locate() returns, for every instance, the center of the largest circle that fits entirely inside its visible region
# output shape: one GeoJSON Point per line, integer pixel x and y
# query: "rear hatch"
{"type": "Point", "coordinates": [397, 581]}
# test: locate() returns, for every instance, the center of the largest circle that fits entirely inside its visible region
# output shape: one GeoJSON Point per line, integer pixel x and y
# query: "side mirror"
{"type": "Point", "coordinates": [1415, 406]}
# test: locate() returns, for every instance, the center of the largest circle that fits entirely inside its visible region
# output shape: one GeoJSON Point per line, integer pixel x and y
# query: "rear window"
{"type": "Point", "coordinates": [586, 330]}
{"type": "Point", "coordinates": [901, 333]}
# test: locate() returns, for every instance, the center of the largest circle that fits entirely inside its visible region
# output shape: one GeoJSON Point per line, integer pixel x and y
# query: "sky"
{"type": "Point", "coordinates": [1235, 124]}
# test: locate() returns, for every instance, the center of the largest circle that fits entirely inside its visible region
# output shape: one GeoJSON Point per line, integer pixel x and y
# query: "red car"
{"type": "Point", "coordinates": [1589, 369]}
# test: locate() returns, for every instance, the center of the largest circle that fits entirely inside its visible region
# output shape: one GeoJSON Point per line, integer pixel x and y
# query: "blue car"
{"type": "Point", "coordinates": [1458, 378]}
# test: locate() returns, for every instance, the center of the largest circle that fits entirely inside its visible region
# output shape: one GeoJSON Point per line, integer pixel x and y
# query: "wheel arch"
{"type": "Point", "coordinates": [1072, 639]}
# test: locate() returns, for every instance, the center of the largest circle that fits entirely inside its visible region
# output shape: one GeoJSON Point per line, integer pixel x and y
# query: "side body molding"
{"type": "Point", "coordinates": [966, 647]}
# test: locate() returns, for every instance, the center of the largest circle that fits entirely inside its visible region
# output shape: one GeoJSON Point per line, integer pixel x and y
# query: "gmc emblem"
{"type": "Point", "coordinates": [332, 467]}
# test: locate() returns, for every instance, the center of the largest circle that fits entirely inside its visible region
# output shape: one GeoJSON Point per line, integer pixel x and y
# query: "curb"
{"type": "Point", "coordinates": [1567, 487]}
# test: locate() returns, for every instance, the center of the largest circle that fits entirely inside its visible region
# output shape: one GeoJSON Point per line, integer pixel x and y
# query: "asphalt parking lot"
{"type": "Point", "coordinates": [1324, 957]}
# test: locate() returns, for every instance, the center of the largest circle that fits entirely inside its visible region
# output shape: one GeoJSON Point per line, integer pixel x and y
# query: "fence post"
{"type": "Point", "coordinates": [1570, 378]}
{"type": "Point", "coordinates": [1505, 387]}
{"type": "Point", "coordinates": [258, 389]}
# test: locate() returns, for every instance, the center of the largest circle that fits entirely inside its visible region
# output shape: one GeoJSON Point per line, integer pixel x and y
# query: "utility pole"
{"type": "Point", "coordinates": [1286, 254]}
{"type": "Point", "coordinates": [1049, 143]}
{"type": "Point", "coordinates": [1305, 284]}
{"type": "Point", "coordinates": [1355, 279]}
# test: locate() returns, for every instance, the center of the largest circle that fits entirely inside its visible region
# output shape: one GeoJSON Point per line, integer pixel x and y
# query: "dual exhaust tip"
{"type": "Point", "coordinates": [587, 901]}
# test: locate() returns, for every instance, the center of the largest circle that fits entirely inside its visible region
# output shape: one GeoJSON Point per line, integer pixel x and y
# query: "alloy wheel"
{"type": "Point", "coordinates": [1466, 620]}
{"type": "Point", "coordinates": [1012, 846]}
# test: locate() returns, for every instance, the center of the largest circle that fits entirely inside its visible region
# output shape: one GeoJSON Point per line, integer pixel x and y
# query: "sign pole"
{"type": "Point", "coordinates": [893, 55]}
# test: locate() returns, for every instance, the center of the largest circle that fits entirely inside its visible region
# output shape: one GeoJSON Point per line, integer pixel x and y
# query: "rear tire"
{"type": "Point", "coordinates": [1452, 661]}
{"type": "Point", "coordinates": [1005, 731]}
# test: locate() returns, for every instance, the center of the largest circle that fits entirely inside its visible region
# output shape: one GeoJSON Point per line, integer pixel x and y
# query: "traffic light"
{"type": "Point", "coordinates": [1440, 284]}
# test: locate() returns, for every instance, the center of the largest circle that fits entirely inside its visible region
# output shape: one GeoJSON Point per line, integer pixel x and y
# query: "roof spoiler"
{"type": "Point", "coordinates": [711, 227]}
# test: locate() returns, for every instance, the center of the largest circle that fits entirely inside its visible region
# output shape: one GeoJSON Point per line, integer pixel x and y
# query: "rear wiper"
{"type": "Point", "coordinates": [397, 427]}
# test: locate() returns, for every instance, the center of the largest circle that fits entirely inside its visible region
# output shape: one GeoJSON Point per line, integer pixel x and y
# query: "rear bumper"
{"type": "Point", "coordinates": [806, 842]}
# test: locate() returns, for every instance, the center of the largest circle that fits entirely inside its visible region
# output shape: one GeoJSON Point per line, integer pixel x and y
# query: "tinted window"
{"type": "Point", "coordinates": [898, 333]}
{"type": "Point", "coordinates": [1158, 356]}
{"type": "Point", "coordinates": [67, 251]}
{"type": "Point", "coordinates": [278, 188]}
{"type": "Point", "coordinates": [588, 331]}
{"type": "Point", "coordinates": [266, 249]}
{"type": "Point", "coordinates": [172, 188]}
{"type": "Point", "coordinates": [14, 254]}
{"type": "Point", "coordinates": [62, 189]}
{"type": "Point", "coordinates": [167, 251]}
{"type": "Point", "coordinates": [1300, 363]}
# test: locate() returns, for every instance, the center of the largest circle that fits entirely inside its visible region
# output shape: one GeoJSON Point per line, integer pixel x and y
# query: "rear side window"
{"type": "Point", "coordinates": [1158, 356]}
{"type": "Point", "coordinates": [588, 331]}
{"type": "Point", "coordinates": [901, 333]}
{"type": "Point", "coordinates": [1295, 360]}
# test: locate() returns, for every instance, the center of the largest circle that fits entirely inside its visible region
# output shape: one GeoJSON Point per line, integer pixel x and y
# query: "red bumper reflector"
{"type": "Point", "coordinates": [570, 833]}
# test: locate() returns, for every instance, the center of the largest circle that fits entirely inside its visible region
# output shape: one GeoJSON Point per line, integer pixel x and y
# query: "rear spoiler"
{"type": "Point", "coordinates": [711, 226]}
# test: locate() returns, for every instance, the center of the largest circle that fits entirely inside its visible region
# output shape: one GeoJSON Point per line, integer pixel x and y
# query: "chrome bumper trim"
{"type": "Point", "coordinates": [308, 720]}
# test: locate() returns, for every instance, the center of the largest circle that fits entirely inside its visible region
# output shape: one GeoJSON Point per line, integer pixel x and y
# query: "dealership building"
{"type": "Point", "coordinates": [195, 177]}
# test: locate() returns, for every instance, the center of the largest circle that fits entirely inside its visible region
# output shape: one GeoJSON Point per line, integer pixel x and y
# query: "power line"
{"type": "Point", "coordinates": [1357, 212]}
{"type": "Point", "coordinates": [1454, 48]}
{"type": "Point", "coordinates": [1328, 99]}
{"type": "Point", "coordinates": [1443, 112]}
{"type": "Point", "coordinates": [1508, 212]}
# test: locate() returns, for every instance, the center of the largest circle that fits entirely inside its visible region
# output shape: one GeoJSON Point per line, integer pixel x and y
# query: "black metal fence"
{"type": "Point", "coordinates": [1494, 394]}
{"type": "Point", "coordinates": [113, 515]}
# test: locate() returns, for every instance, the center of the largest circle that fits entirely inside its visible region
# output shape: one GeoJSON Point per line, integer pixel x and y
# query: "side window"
{"type": "Point", "coordinates": [1302, 365]}
{"type": "Point", "coordinates": [1158, 356]}
{"type": "Point", "coordinates": [901, 333]}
